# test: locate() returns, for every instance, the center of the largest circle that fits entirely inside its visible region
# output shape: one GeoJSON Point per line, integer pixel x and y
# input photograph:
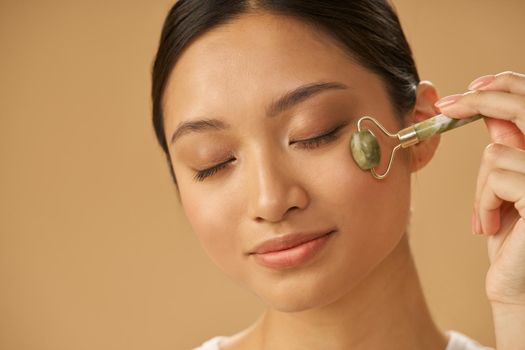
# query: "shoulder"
{"type": "Point", "coordinates": [459, 341]}
{"type": "Point", "coordinates": [211, 344]}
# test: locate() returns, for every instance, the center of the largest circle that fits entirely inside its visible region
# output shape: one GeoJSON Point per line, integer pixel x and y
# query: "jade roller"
{"type": "Point", "coordinates": [367, 152]}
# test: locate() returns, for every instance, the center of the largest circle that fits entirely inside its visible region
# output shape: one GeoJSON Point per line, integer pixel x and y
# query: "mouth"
{"type": "Point", "coordinates": [288, 241]}
{"type": "Point", "coordinates": [290, 254]}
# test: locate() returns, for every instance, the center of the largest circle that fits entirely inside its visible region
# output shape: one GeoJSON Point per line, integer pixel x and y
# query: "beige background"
{"type": "Point", "coordinates": [94, 250]}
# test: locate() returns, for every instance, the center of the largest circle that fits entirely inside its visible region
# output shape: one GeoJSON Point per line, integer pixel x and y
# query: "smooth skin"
{"type": "Point", "coordinates": [362, 291]}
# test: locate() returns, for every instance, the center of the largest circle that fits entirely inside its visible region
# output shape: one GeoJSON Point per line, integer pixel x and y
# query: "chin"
{"type": "Point", "coordinates": [287, 299]}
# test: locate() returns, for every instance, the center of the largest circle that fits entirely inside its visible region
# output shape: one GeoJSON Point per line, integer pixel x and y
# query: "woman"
{"type": "Point", "coordinates": [254, 103]}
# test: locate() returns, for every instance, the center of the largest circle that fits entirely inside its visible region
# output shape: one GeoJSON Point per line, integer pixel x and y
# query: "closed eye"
{"type": "Point", "coordinates": [319, 140]}
{"type": "Point", "coordinates": [200, 175]}
{"type": "Point", "coordinates": [312, 143]}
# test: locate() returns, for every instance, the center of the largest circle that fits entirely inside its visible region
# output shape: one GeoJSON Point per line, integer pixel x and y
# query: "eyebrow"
{"type": "Point", "coordinates": [286, 101]}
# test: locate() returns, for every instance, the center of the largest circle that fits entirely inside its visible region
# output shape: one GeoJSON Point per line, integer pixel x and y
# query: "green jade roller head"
{"type": "Point", "coordinates": [367, 152]}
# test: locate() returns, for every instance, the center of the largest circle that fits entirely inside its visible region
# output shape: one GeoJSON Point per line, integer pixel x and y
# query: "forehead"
{"type": "Point", "coordinates": [249, 61]}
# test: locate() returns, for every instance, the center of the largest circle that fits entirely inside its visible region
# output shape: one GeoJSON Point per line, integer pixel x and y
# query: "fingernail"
{"type": "Point", "coordinates": [473, 222]}
{"type": "Point", "coordinates": [447, 101]}
{"type": "Point", "coordinates": [476, 225]}
{"type": "Point", "coordinates": [479, 229]}
{"type": "Point", "coordinates": [481, 82]}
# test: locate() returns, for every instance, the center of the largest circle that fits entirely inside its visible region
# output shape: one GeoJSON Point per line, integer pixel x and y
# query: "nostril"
{"type": "Point", "coordinates": [295, 207]}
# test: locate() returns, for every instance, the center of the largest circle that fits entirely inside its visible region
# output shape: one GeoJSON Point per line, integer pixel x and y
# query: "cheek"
{"type": "Point", "coordinates": [355, 197]}
{"type": "Point", "coordinates": [371, 215]}
{"type": "Point", "coordinates": [336, 181]}
{"type": "Point", "coordinates": [214, 226]}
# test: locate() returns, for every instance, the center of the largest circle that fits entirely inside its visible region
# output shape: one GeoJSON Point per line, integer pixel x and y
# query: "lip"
{"type": "Point", "coordinates": [287, 241]}
{"type": "Point", "coordinates": [290, 250]}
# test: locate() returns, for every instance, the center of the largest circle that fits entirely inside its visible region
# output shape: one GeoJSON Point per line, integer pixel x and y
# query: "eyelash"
{"type": "Point", "coordinates": [312, 143]}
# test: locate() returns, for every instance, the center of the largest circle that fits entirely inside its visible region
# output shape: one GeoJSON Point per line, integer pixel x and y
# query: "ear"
{"type": "Point", "coordinates": [422, 152]}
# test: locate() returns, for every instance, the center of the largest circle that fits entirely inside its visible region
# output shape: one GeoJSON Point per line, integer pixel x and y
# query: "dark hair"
{"type": "Point", "coordinates": [368, 29]}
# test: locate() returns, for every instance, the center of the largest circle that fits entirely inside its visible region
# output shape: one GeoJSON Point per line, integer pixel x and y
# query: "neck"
{"type": "Point", "coordinates": [387, 310]}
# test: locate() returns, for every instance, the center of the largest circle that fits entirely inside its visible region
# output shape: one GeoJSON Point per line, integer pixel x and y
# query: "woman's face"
{"type": "Point", "coordinates": [273, 183]}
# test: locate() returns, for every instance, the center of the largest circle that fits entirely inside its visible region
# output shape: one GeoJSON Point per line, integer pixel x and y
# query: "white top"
{"type": "Point", "coordinates": [457, 341]}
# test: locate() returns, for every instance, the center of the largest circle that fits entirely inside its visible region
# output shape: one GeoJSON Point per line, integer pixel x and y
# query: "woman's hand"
{"type": "Point", "coordinates": [499, 208]}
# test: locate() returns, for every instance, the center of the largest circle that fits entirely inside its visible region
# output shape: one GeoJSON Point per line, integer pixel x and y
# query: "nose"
{"type": "Point", "coordinates": [274, 190]}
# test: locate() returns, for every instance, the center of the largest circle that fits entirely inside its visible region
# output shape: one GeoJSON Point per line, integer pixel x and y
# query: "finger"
{"type": "Point", "coordinates": [505, 81]}
{"type": "Point", "coordinates": [494, 104]}
{"type": "Point", "coordinates": [508, 109]}
{"type": "Point", "coordinates": [505, 132]}
{"type": "Point", "coordinates": [501, 185]}
{"type": "Point", "coordinates": [498, 156]}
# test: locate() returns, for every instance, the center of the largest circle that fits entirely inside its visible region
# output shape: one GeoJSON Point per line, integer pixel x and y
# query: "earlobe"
{"type": "Point", "coordinates": [423, 152]}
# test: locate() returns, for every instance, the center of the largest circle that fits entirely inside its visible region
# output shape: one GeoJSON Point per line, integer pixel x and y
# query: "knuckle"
{"type": "Point", "coordinates": [473, 93]}
{"type": "Point", "coordinates": [477, 95]}
{"type": "Point", "coordinates": [492, 153]}
{"type": "Point", "coordinates": [472, 97]}
{"type": "Point", "coordinates": [510, 77]}
{"type": "Point", "coordinates": [508, 74]}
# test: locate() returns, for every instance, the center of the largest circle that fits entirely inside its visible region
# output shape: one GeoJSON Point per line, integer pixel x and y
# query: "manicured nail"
{"type": "Point", "coordinates": [473, 222]}
{"type": "Point", "coordinates": [476, 225]}
{"type": "Point", "coordinates": [447, 101]}
{"type": "Point", "coordinates": [479, 228]}
{"type": "Point", "coordinates": [481, 82]}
